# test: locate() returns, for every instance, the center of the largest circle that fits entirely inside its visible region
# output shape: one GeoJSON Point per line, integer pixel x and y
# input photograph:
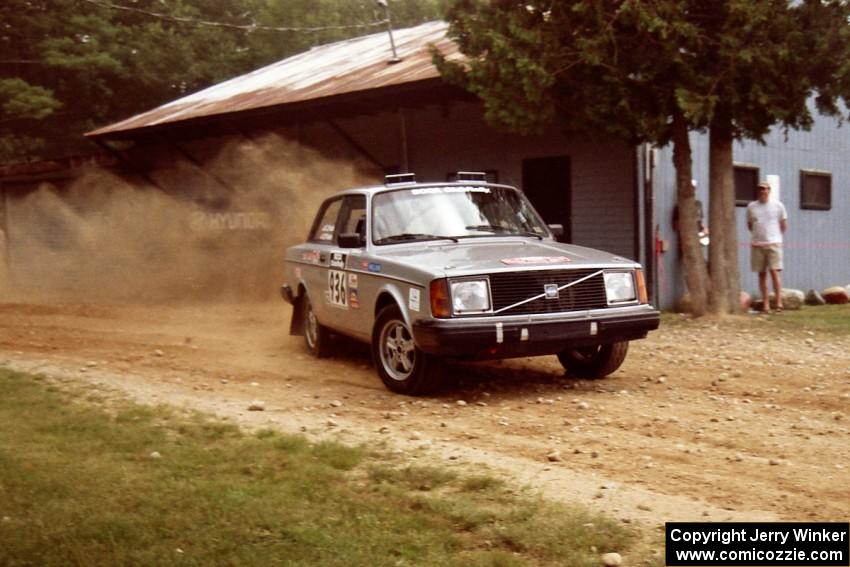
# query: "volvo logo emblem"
{"type": "Point", "coordinates": [551, 290]}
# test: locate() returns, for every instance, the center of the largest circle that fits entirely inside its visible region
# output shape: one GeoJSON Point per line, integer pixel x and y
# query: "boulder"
{"type": "Point", "coordinates": [684, 304]}
{"type": "Point", "coordinates": [814, 298]}
{"type": "Point", "coordinates": [791, 299]}
{"type": "Point", "coordinates": [836, 295]}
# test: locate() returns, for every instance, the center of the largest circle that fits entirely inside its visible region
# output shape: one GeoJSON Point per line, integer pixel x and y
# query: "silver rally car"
{"type": "Point", "coordinates": [465, 269]}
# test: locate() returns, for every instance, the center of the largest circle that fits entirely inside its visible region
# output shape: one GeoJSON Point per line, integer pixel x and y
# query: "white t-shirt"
{"type": "Point", "coordinates": [764, 218]}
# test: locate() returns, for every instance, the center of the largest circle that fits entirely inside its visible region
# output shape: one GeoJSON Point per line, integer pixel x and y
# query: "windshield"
{"type": "Point", "coordinates": [452, 212]}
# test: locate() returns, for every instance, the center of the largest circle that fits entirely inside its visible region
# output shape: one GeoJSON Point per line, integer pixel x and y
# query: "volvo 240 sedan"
{"type": "Point", "coordinates": [465, 269]}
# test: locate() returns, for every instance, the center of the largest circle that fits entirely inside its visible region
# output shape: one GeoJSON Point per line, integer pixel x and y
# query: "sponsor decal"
{"type": "Point", "coordinates": [353, 300]}
{"type": "Point", "coordinates": [535, 260]}
{"type": "Point", "coordinates": [338, 260]}
{"type": "Point", "coordinates": [352, 281]}
{"type": "Point", "coordinates": [298, 273]}
{"type": "Point", "coordinates": [311, 256]}
{"type": "Point", "coordinates": [203, 221]}
{"type": "Point", "coordinates": [464, 189]}
{"type": "Point", "coordinates": [413, 299]}
{"type": "Point", "coordinates": [374, 267]}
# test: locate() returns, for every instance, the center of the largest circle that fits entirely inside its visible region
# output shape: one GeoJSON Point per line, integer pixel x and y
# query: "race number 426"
{"type": "Point", "coordinates": [338, 288]}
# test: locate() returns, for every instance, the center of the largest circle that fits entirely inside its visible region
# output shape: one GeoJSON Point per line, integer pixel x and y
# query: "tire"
{"type": "Point", "coordinates": [594, 362]}
{"type": "Point", "coordinates": [403, 368]}
{"type": "Point", "coordinates": [316, 336]}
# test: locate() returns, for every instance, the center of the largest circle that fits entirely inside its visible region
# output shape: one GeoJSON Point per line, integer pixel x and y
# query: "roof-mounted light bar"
{"type": "Point", "coordinates": [400, 179]}
{"type": "Point", "coordinates": [475, 176]}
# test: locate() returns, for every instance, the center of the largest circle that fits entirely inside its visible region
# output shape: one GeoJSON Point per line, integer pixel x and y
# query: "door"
{"type": "Point", "coordinates": [546, 183]}
{"type": "Point", "coordinates": [332, 289]}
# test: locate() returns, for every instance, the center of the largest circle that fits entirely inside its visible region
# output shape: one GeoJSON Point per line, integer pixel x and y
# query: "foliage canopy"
{"type": "Point", "coordinates": [69, 66]}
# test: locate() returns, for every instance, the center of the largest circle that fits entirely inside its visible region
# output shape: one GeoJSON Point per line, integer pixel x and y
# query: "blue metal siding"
{"type": "Point", "coordinates": [817, 244]}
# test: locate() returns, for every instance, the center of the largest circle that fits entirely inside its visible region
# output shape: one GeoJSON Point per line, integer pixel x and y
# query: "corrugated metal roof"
{"type": "Point", "coordinates": [348, 66]}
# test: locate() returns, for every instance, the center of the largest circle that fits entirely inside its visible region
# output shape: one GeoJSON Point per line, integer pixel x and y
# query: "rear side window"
{"type": "Point", "coordinates": [324, 227]}
{"type": "Point", "coordinates": [353, 219]}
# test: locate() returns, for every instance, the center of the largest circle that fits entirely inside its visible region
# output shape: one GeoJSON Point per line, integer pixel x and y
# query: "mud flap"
{"type": "Point", "coordinates": [296, 325]}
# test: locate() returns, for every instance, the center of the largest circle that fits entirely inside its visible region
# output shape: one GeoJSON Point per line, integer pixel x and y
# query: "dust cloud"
{"type": "Point", "coordinates": [212, 233]}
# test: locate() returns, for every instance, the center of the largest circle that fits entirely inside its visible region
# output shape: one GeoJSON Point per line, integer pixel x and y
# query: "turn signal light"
{"type": "Point", "coordinates": [441, 305]}
{"type": "Point", "coordinates": [641, 285]}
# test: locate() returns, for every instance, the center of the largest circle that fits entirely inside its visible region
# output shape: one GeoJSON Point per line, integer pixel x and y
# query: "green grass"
{"type": "Point", "coordinates": [829, 318]}
{"type": "Point", "coordinates": [78, 486]}
{"type": "Point", "coordinates": [833, 319]}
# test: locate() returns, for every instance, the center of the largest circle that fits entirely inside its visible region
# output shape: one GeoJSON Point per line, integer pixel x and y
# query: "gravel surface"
{"type": "Point", "coordinates": [706, 420]}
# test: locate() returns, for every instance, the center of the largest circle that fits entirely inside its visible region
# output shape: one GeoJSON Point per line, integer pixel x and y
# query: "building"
{"type": "Point", "coordinates": [391, 112]}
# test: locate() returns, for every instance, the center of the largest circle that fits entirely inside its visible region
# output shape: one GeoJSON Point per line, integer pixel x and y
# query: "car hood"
{"type": "Point", "coordinates": [471, 256]}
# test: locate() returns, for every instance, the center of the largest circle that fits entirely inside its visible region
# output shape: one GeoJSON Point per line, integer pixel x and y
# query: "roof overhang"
{"type": "Point", "coordinates": [345, 75]}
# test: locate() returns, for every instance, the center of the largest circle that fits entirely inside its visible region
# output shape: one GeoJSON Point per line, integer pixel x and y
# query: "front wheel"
{"type": "Point", "coordinates": [597, 361]}
{"type": "Point", "coordinates": [403, 368]}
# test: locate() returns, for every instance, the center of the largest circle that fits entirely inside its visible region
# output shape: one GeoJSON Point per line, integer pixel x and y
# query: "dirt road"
{"type": "Point", "coordinates": [705, 421]}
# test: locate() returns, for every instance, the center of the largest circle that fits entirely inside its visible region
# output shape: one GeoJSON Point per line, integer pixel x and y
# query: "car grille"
{"type": "Point", "coordinates": [509, 288]}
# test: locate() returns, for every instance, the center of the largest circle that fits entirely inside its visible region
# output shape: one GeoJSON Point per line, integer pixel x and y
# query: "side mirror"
{"type": "Point", "coordinates": [557, 230]}
{"type": "Point", "coordinates": [350, 240]}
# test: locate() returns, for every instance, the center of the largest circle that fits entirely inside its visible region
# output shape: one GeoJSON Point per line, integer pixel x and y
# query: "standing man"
{"type": "Point", "coordinates": [767, 220]}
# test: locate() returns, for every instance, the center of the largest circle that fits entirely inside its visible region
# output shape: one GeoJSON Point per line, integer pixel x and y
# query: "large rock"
{"type": "Point", "coordinates": [791, 299]}
{"type": "Point", "coordinates": [836, 295]}
{"type": "Point", "coordinates": [814, 298]}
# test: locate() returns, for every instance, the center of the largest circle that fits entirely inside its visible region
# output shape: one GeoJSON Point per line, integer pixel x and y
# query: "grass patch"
{"type": "Point", "coordinates": [833, 319]}
{"type": "Point", "coordinates": [828, 318]}
{"type": "Point", "coordinates": [79, 486]}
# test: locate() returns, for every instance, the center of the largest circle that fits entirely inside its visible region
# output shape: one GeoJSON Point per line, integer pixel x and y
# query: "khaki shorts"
{"type": "Point", "coordinates": [766, 258]}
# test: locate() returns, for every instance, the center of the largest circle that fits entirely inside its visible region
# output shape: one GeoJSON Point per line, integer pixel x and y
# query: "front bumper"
{"type": "Point", "coordinates": [502, 337]}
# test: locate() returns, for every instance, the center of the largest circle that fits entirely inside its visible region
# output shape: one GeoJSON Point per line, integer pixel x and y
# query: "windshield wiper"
{"type": "Point", "coordinates": [413, 236]}
{"type": "Point", "coordinates": [534, 234]}
{"type": "Point", "coordinates": [490, 227]}
{"type": "Point", "coordinates": [502, 230]}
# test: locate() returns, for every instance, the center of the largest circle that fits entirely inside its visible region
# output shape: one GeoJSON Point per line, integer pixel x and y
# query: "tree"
{"type": "Point", "coordinates": [90, 64]}
{"type": "Point", "coordinates": [763, 62]}
{"type": "Point", "coordinates": [69, 66]}
{"type": "Point", "coordinates": [622, 68]}
{"type": "Point", "coordinates": [654, 72]}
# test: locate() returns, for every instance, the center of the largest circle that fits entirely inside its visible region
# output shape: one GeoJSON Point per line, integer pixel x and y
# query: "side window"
{"type": "Point", "coordinates": [815, 190]}
{"type": "Point", "coordinates": [324, 227]}
{"type": "Point", "coordinates": [353, 218]}
{"type": "Point", "coordinates": [746, 184]}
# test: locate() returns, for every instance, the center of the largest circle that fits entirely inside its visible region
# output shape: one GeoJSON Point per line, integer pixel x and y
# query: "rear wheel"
{"type": "Point", "coordinates": [316, 335]}
{"type": "Point", "coordinates": [597, 361]}
{"type": "Point", "coordinates": [403, 368]}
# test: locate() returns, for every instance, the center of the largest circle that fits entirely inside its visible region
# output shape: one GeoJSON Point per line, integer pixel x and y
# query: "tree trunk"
{"type": "Point", "coordinates": [725, 278]}
{"type": "Point", "coordinates": [696, 273]}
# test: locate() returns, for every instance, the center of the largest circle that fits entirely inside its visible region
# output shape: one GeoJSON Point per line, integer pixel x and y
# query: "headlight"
{"type": "Point", "coordinates": [470, 296]}
{"type": "Point", "coordinates": [620, 287]}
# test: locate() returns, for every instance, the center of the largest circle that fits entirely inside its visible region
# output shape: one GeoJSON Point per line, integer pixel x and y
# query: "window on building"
{"type": "Point", "coordinates": [815, 190]}
{"type": "Point", "coordinates": [746, 184]}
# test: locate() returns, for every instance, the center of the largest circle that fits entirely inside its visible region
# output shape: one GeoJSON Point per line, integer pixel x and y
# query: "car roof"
{"type": "Point", "coordinates": [375, 189]}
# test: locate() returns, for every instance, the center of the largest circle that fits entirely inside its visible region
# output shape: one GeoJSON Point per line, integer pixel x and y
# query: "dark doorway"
{"type": "Point", "coordinates": [546, 183]}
